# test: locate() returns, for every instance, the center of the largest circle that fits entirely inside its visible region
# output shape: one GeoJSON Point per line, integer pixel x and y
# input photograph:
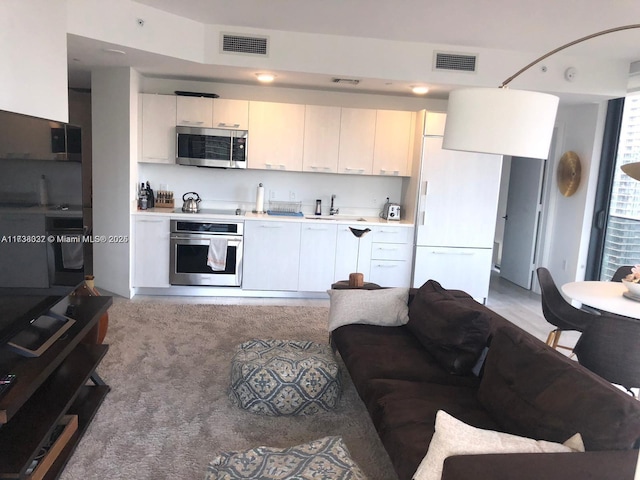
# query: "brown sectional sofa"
{"type": "Point", "coordinates": [404, 376]}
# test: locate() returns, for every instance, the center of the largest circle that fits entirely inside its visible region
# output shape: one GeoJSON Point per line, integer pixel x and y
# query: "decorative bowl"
{"type": "Point", "coordinates": [634, 288]}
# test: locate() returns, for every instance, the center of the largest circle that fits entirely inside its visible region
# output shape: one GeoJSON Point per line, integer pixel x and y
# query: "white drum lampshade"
{"type": "Point", "coordinates": [500, 121]}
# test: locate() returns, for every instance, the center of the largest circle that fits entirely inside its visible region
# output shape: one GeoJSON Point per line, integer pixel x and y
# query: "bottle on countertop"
{"type": "Point", "coordinates": [142, 197]}
{"type": "Point", "coordinates": [150, 198]}
{"type": "Point", "coordinates": [318, 207]}
{"type": "Point", "coordinates": [43, 197]}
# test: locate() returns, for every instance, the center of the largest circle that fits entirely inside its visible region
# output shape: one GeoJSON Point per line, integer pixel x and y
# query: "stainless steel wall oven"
{"type": "Point", "coordinates": [191, 241]}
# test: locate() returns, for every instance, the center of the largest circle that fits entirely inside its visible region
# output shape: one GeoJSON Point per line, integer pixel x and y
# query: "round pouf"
{"type": "Point", "coordinates": [284, 377]}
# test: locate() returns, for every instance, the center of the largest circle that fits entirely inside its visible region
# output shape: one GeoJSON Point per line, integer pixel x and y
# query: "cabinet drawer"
{"type": "Point", "coordinates": [390, 273]}
{"type": "Point", "coordinates": [392, 234]}
{"type": "Point", "coordinates": [391, 251]}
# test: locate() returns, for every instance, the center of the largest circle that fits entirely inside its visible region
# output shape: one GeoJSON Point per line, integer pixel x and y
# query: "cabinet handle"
{"type": "Point", "coordinates": [435, 252]}
{"type": "Point", "coordinates": [280, 166]}
{"type": "Point", "coordinates": [387, 249]}
{"type": "Point", "coordinates": [189, 122]}
{"type": "Point", "coordinates": [386, 265]}
{"type": "Point", "coordinates": [349, 169]}
{"type": "Point", "coordinates": [393, 172]}
{"type": "Point", "coordinates": [388, 231]}
{"type": "Point", "coordinates": [319, 229]}
{"type": "Point", "coordinates": [270, 226]}
{"type": "Point", "coordinates": [145, 220]}
{"type": "Point", "coordinates": [229, 125]}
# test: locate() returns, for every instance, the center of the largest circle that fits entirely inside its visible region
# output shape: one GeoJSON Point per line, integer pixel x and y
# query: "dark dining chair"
{"type": "Point", "coordinates": [621, 272]}
{"type": "Point", "coordinates": [609, 348]}
{"type": "Point", "coordinates": [558, 312]}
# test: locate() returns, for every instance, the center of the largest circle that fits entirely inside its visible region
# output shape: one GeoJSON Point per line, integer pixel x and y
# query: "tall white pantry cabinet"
{"type": "Point", "coordinates": [457, 204]}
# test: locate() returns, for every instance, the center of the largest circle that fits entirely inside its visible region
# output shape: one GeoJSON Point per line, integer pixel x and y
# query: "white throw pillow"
{"type": "Point", "coordinates": [386, 306]}
{"type": "Point", "coordinates": [453, 437]}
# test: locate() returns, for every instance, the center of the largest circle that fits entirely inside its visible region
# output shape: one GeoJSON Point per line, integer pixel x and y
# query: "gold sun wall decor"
{"type": "Point", "coordinates": [568, 173]}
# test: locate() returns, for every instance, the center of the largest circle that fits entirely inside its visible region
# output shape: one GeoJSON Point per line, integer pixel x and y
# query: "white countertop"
{"type": "Point", "coordinates": [339, 219]}
{"type": "Point", "coordinates": [49, 211]}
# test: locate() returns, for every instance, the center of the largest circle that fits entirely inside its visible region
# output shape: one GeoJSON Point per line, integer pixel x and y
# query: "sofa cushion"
{"type": "Point", "coordinates": [385, 307]}
{"type": "Point", "coordinates": [453, 437]}
{"type": "Point", "coordinates": [534, 391]}
{"type": "Point", "coordinates": [373, 352]}
{"type": "Point", "coordinates": [452, 332]}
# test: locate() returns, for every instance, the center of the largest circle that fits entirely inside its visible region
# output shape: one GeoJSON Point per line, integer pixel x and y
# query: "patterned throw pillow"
{"type": "Point", "coordinates": [323, 459]}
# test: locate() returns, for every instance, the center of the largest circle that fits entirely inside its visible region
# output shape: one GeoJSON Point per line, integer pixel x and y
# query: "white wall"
{"type": "Point", "coordinates": [33, 55]}
{"type": "Point", "coordinates": [566, 237]}
{"type": "Point", "coordinates": [114, 120]}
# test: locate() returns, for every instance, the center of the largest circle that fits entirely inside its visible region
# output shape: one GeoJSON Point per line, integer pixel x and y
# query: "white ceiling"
{"type": "Point", "coordinates": [514, 25]}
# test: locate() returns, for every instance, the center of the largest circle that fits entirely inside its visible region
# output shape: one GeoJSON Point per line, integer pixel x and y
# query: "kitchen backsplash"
{"type": "Point", "coordinates": [21, 180]}
{"type": "Point", "coordinates": [220, 188]}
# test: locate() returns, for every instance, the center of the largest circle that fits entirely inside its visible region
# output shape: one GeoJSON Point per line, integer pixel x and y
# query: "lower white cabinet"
{"type": "Point", "coordinates": [350, 258]}
{"type": "Point", "coordinates": [391, 264]}
{"type": "Point", "coordinates": [271, 255]}
{"type": "Point", "coordinates": [444, 265]}
{"type": "Point", "coordinates": [151, 252]}
{"type": "Point", "coordinates": [317, 257]}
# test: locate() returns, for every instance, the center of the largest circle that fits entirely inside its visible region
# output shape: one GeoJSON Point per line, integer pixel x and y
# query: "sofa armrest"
{"type": "Point", "coordinates": [602, 465]}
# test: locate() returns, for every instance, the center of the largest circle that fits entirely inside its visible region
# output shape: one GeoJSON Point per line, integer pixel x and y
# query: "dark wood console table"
{"type": "Point", "coordinates": [59, 383]}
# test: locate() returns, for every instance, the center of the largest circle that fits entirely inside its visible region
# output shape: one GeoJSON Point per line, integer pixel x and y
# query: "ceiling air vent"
{"type": "Point", "coordinates": [455, 61]}
{"type": "Point", "coordinates": [346, 81]}
{"type": "Point", "coordinates": [244, 44]}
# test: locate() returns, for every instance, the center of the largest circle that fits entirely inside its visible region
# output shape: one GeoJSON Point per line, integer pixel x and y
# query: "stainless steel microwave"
{"type": "Point", "coordinates": [211, 147]}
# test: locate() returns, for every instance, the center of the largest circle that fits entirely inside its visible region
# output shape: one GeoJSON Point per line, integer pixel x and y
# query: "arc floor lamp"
{"type": "Point", "coordinates": [509, 122]}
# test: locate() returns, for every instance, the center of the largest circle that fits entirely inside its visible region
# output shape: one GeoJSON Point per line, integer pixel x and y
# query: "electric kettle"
{"type": "Point", "coordinates": [191, 204]}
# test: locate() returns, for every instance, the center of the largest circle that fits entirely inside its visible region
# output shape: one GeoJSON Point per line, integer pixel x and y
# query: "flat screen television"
{"type": "Point", "coordinates": [41, 192]}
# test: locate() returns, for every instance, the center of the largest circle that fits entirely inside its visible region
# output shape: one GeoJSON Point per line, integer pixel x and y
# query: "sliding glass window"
{"type": "Point", "coordinates": [622, 232]}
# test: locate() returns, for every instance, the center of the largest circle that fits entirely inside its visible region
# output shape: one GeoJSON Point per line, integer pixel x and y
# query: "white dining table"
{"type": "Point", "coordinates": [605, 296]}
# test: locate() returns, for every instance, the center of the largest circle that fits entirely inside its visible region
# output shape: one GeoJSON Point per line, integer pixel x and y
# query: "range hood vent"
{"type": "Point", "coordinates": [346, 81]}
{"type": "Point", "coordinates": [455, 61]}
{"type": "Point", "coordinates": [247, 44]}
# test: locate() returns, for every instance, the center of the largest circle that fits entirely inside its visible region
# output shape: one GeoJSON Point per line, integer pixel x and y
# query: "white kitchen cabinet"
{"type": "Point", "coordinates": [391, 256]}
{"type": "Point", "coordinates": [158, 137]}
{"type": "Point", "coordinates": [233, 114]}
{"type": "Point", "coordinates": [23, 263]}
{"type": "Point", "coordinates": [271, 255]}
{"type": "Point", "coordinates": [357, 140]}
{"type": "Point", "coordinates": [317, 257]}
{"type": "Point", "coordinates": [194, 111]}
{"type": "Point", "coordinates": [276, 135]}
{"type": "Point", "coordinates": [350, 258]}
{"type": "Point", "coordinates": [321, 139]}
{"type": "Point", "coordinates": [392, 148]}
{"type": "Point", "coordinates": [151, 251]}
{"type": "Point", "coordinates": [467, 269]}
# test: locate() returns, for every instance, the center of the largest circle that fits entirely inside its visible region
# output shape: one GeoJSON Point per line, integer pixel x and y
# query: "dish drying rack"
{"type": "Point", "coordinates": [290, 209]}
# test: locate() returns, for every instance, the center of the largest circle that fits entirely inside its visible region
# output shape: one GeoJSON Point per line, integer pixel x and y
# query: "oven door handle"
{"type": "Point", "coordinates": [232, 239]}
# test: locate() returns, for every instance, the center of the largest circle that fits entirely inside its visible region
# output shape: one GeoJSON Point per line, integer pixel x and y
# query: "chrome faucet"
{"type": "Point", "coordinates": [333, 211]}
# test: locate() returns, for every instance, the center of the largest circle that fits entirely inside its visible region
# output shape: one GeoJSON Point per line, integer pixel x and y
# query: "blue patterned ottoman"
{"type": "Point", "coordinates": [284, 377]}
{"type": "Point", "coordinates": [323, 459]}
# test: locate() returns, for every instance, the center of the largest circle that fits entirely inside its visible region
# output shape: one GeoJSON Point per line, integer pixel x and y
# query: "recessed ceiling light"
{"type": "Point", "coordinates": [419, 89]}
{"type": "Point", "coordinates": [114, 50]}
{"type": "Point", "coordinates": [265, 77]}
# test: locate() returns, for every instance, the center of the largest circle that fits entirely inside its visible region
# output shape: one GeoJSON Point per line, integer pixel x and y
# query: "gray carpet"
{"type": "Point", "coordinates": [168, 413]}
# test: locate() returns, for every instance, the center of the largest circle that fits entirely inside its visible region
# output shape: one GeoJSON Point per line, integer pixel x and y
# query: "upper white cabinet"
{"type": "Point", "coordinates": [321, 139]}
{"type": "Point", "coordinates": [392, 149]}
{"type": "Point", "coordinates": [230, 114]}
{"type": "Point", "coordinates": [276, 135]}
{"type": "Point", "coordinates": [158, 139]}
{"type": "Point", "coordinates": [194, 111]}
{"type": "Point", "coordinates": [357, 140]}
